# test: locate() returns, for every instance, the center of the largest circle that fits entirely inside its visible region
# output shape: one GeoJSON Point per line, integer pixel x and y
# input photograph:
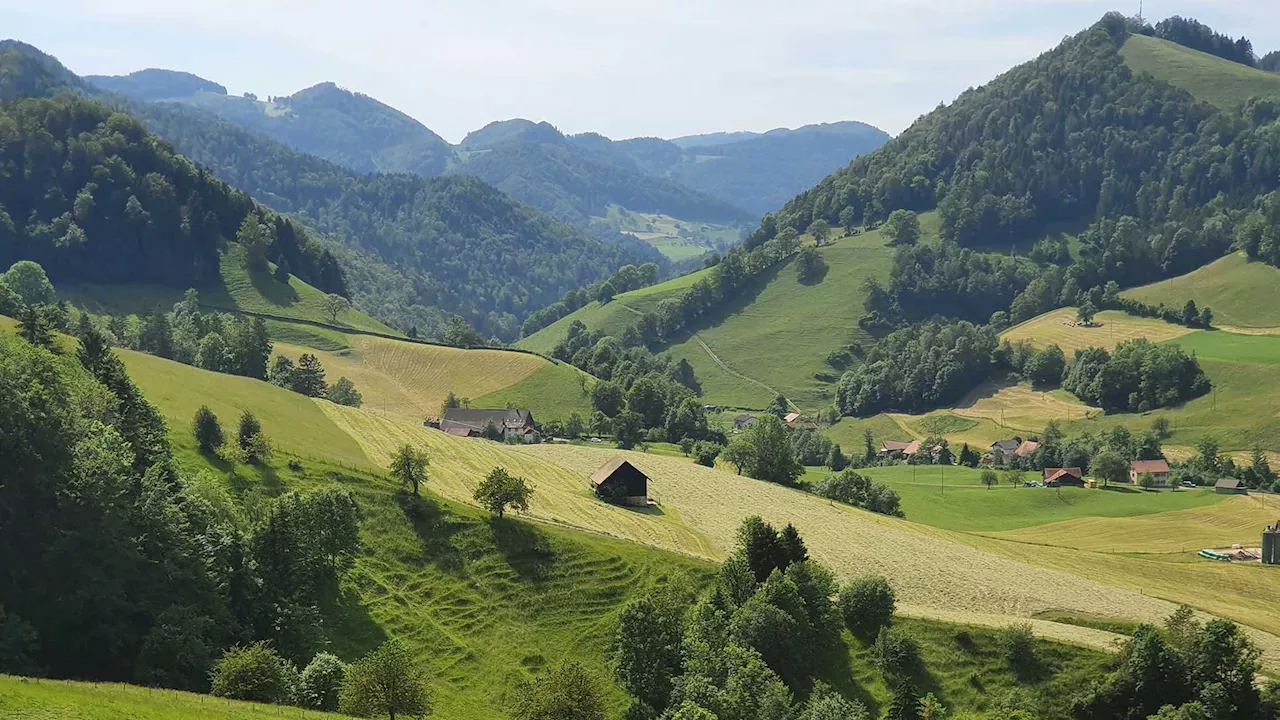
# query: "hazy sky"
{"type": "Point", "coordinates": [622, 68]}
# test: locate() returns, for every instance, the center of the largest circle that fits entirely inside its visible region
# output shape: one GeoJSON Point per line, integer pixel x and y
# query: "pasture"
{"type": "Point", "coordinates": [239, 289]}
{"type": "Point", "coordinates": [1209, 78]}
{"type": "Point", "coordinates": [677, 239]}
{"type": "Point", "coordinates": [1234, 519]}
{"type": "Point", "coordinates": [1111, 327]}
{"type": "Point", "coordinates": [800, 324]}
{"type": "Point", "coordinates": [1241, 293]}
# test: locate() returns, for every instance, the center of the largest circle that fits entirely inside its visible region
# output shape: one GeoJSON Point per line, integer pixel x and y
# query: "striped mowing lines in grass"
{"type": "Point", "coordinates": [1112, 328]}
{"type": "Point", "coordinates": [413, 380]}
{"type": "Point", "coordinates": [561, 494]}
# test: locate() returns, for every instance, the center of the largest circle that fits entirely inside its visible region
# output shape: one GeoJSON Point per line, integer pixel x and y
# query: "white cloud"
{"type": "Point", "coordinates": [621, 67]}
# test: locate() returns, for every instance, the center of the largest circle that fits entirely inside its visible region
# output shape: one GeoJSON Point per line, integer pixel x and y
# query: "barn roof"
{"type": "Point", "coordinates": [1228, 484]}
{"type": "Point", "coordinates": [608, 469]}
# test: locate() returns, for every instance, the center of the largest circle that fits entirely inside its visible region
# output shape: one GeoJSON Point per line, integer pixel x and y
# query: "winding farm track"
{"type": "Point", "coordinates": [716, 359]}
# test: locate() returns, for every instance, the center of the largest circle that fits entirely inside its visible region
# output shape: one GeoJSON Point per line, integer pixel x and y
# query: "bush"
{"type": "Point", "coordinates": [706, 452]}
{"type": "Point", "coordinates": [867, 605]}
{"type": "Point", "coordinates": [344, 392]}
{"type": "Point", "coordinates": [895, 653]}
{"type": "Point", "coordinates": [252, 672]}
{"type": "Point", "coordinates": [208, 430]}
{"type": "Point", "coordinates": [1017, 647]}
{"type": "Point", "coordinates": [321, 683]}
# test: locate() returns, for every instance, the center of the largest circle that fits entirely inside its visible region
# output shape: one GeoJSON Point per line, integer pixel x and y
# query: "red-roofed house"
{"type": "Point", "coordinates": [1026, 448]}
{"type": "Point", "coordinates": [1158, 468]}
{"type": "Point", "coordinates": [893, 448]}
{"type": "Point", "coordinates": [1058, 477]}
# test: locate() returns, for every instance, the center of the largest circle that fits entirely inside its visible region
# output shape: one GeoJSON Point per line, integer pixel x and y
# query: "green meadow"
{"type": "Point", "coordinates": [1241, 293]}
{"type": "Point", "coordinates": [1207, 77]}
{"type": "Point", "coordinates": [954, 498]}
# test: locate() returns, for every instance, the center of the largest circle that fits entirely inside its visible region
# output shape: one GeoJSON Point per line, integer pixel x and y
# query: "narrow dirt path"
{"type": "Point", "coordinates": [716, 359]}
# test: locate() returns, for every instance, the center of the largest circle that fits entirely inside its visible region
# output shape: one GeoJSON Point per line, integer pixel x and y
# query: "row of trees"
{"type": "Point", "coordinates": [119, 571]}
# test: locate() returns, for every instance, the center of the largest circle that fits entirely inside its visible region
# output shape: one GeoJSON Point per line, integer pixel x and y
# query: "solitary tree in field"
{"type": "Point", "coordinates": [385, 682]}
{"type": "Point", "coordinates": [989, 478]}
{"type": "Point", "coordinates": [1014, 477]}
{"type": "Point", "coordinates": [500, 490]}
{"type": "Point", "coordinates": [1086, 312]}
{"type": "Point", "coordinates": [568, 692]}
{"type": "Point", "coordinates": [409, 466]}
{"type": "Point", "coordinates": [1147, 481]}
{"type": "Point", "coordinates": [334, 305]}
{"type": "Point", "coordinates": [344, 392]}
{"type": "Point", "coordinates": [251, 441]}
{"type": "Point", "coordinates": [208, 430]}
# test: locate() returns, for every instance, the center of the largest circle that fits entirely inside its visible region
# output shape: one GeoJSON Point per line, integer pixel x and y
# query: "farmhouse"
{"type": "Point", "coordinates": [515, 425]}
{"type": "Point", "coordinates": [1006, 448]}
{"type": "Point", "coordinates": [1026, 448]}
{"type": "Point", "coordinates": [744, 422]}
{"type": "Point", "coordinates": [1230, 486]}
{"type": "Point", "coordinates": [895, 448]}
{"type": "Point", "coordinates": [1059, 477]}
{"type": "Point", "coordinates": [1158, 468]}
{"type": "Point", "coordinates": [618, 481]}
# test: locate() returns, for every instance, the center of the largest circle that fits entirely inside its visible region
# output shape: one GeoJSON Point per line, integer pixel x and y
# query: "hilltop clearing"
{"type": "Point", "coordinates": [1242, 293]}
{"type": "Point", "coordinates": [1212, 79]}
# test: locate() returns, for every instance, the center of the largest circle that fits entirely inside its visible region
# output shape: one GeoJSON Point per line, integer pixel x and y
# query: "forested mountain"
{"type": "Point", "coordinates": [414, 250]}
{"type": "Point", "coordinates": [156, 84]}
{"type": "Point", "coordinates": [93, 197]}
{"type": "Point", "coordinates": [343, 127]}
{"type": "Point", "coordinates": [725, 178]}
{"type": "Point", "coordinates": [1073, 136]}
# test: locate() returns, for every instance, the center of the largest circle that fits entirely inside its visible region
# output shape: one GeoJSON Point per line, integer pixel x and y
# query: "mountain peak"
{"type": "Point", "coordinates": [157, 84]}
{"type": "Point", "coordinates": [516, 130]}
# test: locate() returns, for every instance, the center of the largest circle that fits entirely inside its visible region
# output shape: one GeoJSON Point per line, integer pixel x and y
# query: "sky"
{"type": "Point", "coordinates": [622, 68]}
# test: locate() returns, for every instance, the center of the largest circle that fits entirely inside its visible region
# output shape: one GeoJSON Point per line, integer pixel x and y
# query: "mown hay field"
{"type": "Point", "coordinates": [1234, 519]}
{"type": "Point", "coordinates": [413, 379]}
{"type": "Point", "coordinates": [1111, 327]}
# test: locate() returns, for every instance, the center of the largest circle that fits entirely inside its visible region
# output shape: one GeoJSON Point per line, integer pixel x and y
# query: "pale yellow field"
{"type": "Point", "coordinates": [1235, 520]}
{"type": "Point", "coordinates": [413, 380]}
{"type": "Point", "coordinates": [560, 495]}
{"type": "Point", "coordinates": [1114, 327]}
{"type": "Point", "coordinates": [1019, 407]}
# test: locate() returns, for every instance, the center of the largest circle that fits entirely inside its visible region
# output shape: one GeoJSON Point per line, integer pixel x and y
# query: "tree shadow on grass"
{"type": "Point", "coordinates": [1125, 489]}
{"type": "Point", "coordinates": [835, 671]}
{"type": "Point", "coordinates": [273, 291]}
{"type": "Point", "coordinates": [435, 530]}
{"type": "Point", "coordinates": [350, 628]}
{"type": "Point", "coordinates": [525, 549]}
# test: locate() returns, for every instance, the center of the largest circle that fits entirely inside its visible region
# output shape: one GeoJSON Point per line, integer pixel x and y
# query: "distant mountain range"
{"type": "Point", "coordinates": [723, 177]}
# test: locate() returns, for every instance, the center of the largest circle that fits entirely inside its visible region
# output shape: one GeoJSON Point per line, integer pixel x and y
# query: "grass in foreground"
{"type": "Point", "coordinates": [1241, 293]}
{"type": "Point", "coordinates": [27, 699]}
{"type": "Point", "coordinates": [1209, 78]}
{"type": "Point", "coordinates": [1113, 328]}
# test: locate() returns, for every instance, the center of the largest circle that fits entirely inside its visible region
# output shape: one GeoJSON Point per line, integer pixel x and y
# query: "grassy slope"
{"type": "Point", "coordinates": [612, 317]}
{"type": "Point", "coordinates": [413, 380]}
{"type": "Point", "coordinates": [25, 699]}
{"type": "Point", "coordinates": [1241, 293]}
{"type": "Point", "coordinates": [1207, 77]}
{"type": "Point", "coordinates": [239, 289]}
{"type": "Point", "coordinates": [773, 340]}
{"type": "Point", "coordinates": [780, 337]}
{"type": "Point", "coordinates": [1113, 328]}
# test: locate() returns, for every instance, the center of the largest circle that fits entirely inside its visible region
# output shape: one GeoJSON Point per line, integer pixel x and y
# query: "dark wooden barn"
{"type": "Point", "coordinates": [621, 482]}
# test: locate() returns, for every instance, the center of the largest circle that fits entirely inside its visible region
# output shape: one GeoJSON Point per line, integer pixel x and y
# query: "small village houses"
{"type": "Point", "coordinates": [514, 425]}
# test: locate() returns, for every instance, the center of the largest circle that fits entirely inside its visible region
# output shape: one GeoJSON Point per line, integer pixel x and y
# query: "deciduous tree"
{"type": "Point", "coordinates": [386, 682]}
{"type": "Point", "coordinates": [500, 490]}
{"type": "Point", "coordinates": [409, 466]}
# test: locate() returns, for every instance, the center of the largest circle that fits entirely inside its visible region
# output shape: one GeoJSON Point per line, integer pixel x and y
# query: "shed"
{"type": "Point", "coordinates": [620, 482]}
{"type": "Point", "coordinates": [1058, 477]}
{"type": "Point", "coordinates": [791, 418]}
{"type": "Point", "coordinates": [1230, 486]}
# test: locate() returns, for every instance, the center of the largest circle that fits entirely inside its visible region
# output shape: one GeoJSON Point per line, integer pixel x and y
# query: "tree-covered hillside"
{"type": "Point", "coordinates": [414, 250]}
{"type": "Point", "coordinates": [343, 127]}
{"type": "Point", "coordinates": [156, 84]}
{"type": "Point", "coordinates": [1074, 136]}
{"type": "Point", "coordinates": [94, 197]}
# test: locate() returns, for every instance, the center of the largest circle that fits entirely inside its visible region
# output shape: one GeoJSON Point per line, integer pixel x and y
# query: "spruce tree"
{"type": "Point", "coordinates": [207, 430]}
